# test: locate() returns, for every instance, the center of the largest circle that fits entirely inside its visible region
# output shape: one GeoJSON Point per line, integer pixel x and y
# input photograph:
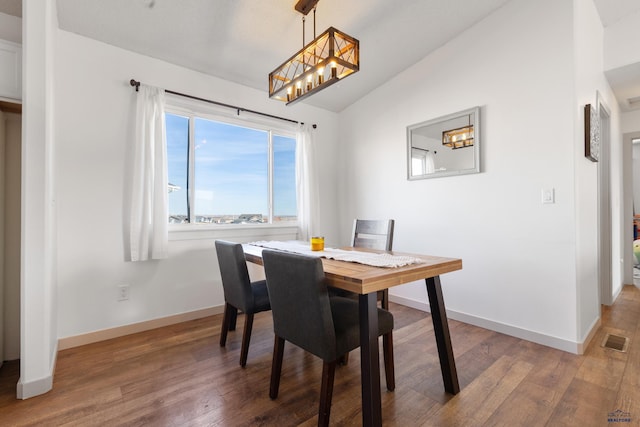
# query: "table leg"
{"type": "Point", "coordinates": [370, 361]}
{"type": "Point", "coordinates": [443, 339]}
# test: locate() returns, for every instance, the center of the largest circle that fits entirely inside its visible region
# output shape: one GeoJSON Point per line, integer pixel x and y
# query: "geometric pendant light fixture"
{"type": "Point", "coordinates": [459, 137]}
{"type": "Point", "coordinates": [330, 57]}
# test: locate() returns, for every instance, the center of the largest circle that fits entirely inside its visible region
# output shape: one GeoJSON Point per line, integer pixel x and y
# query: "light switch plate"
{"type": "Point", "coordinates": [548, 196]}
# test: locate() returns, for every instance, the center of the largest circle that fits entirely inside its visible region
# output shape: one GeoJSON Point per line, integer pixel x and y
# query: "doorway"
{"type": "Point", "coordinates": [10, 210]}
{"type": "Point", "coordinates": [631, 142]}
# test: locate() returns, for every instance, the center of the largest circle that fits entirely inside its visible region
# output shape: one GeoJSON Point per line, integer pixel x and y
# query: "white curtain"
{"type": "Point", "coordinates": [429, 163]}
{"type": "Point", "coordinates": [307, 183]}
{"type": "Point", "coordinates": [149, 233]}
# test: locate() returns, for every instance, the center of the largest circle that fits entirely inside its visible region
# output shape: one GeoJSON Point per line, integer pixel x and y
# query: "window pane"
{"type": "Point", "coordinates": [177, 129]}
{"type": "Point", "coordinates": [417, 166]}
{"type": "Point", "coordinates": [284, 179]}
{"type": "Point", "coordinates": [231, 173]}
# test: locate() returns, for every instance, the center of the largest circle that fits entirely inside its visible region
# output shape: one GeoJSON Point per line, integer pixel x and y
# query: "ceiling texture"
{"type": "Point", "coordinates": [244, 40]}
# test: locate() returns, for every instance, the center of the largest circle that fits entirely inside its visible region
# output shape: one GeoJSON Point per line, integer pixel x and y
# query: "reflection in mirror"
{"type": "Point", "coordinates": [448, 145]}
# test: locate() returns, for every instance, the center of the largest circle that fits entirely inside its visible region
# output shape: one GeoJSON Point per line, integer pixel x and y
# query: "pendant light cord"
{"type": "Point", "coordinates": [314, 26]}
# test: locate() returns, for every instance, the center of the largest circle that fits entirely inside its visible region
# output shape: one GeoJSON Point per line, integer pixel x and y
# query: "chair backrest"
{"type": "Point", "coordinates": [300, 302]}
{"type": "Point", "coordinates": [235, 275]}
{"type": "Point", "coordinates": [373, 234]}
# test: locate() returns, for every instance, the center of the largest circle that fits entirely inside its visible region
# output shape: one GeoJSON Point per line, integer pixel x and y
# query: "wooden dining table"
{"type": "Point", "coordinates": [366, 281]}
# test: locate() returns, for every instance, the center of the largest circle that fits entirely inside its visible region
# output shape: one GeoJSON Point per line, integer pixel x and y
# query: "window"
{"type": "Point", "coordinates": [418, 162]}
{"type": "Point", "coordinates": [229, 172]}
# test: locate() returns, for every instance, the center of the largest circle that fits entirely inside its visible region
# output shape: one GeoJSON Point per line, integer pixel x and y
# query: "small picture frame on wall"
{"type": "Point", "coordinates": [591, 132]}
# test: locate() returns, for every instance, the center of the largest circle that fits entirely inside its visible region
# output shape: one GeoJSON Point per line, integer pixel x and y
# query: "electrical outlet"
{"type": "Point", "coordinates": [123, 292]}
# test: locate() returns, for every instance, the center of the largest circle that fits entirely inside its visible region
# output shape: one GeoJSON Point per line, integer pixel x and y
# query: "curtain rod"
{"type": "Point", "coordinates": [136, 84]}
{"type": "Point", "coordinates": [423, 149]}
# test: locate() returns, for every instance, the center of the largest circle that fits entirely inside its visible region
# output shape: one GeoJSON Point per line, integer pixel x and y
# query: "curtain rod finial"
{"type": "Point", "coordinates": [132, 82]}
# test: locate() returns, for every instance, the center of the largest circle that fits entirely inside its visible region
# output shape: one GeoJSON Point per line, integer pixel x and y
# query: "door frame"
{"type": "Point", "coordinates": [605, 250]}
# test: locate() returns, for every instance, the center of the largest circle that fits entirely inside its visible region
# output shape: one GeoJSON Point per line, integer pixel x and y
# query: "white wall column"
{"type": "Point", "coordinates": [38, 303]}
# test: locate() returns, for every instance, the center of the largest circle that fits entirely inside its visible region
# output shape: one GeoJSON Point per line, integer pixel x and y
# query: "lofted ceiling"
{"type": "Point", "coordinates": [243, 40]}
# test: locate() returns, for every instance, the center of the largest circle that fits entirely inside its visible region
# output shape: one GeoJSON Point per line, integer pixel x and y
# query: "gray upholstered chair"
{"type": "Point", "coordinates": [374, 234]}
{"type": "Point", "coordinates": [305, 315]}
{"type": "Point", "coordinates": [239, 293]}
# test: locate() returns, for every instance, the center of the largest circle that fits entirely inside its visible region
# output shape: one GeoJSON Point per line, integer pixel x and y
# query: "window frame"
{"type": "Point", "coordinates": [192, 109]}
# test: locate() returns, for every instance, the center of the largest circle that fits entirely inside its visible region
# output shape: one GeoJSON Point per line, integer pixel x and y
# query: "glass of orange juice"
{"type": "Point", "coordinates": [317, 243]}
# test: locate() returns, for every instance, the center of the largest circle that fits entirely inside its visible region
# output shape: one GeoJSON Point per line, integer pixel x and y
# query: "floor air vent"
{"type": "Point", "coordinates": [616, 342]}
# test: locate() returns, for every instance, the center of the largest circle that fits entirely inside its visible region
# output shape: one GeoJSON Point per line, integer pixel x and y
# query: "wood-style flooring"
{"type": "Point", "coordinates": [179, 376]}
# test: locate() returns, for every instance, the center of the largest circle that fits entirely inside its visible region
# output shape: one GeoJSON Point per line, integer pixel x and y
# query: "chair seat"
{"type": "Point", "coordinates": [345, 313]}
{"type": "Point", "coordinates": [260, 296]}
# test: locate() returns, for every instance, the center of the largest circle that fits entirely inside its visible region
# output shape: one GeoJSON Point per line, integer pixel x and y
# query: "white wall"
{"type": "Point", "coordinates": [630, 124]}
{"type": "Point", "coordinates": [95, 117]}
{"type": "Point", "coordinates": [621, 42]}
{"type": "Point", "coordinates": [630, 121]}
{"type": "Point", "coordinates": [10, 28]}
{"type": "Point", "coordinates": [630, 128]}
{"type": "Point", "coordinates": [589, 78]}
{"type": "Point", "coordinates": [519, 256]}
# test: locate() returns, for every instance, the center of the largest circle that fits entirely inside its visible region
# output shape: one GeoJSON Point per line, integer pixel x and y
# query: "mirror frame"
{"type": "Point", "coordinates": [476, 145]}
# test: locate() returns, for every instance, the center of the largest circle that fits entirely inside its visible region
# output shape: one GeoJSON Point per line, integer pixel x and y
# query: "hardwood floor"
{"type": "Point", "coordinates": [179, 376]}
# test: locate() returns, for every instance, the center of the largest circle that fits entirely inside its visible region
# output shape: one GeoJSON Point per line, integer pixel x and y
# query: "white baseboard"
{"type": "Point", "coordinates": [120, 331]}
{"type": "Point", "coordinates": [614, 297]}
{"type": "Point", "coordinates": [592, 333]}
{"type": "Point", "coordinates": [25, 390]}
{"type": "Point", "coordinates": [525, 334]}
{"type": "Point", "coordinates": [28, 389]}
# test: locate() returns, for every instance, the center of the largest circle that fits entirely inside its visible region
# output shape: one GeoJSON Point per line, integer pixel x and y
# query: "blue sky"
{"type": "Point", "coordinates": [231, 175]}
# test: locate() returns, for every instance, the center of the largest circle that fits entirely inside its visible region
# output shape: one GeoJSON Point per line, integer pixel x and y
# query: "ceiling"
{"type": "Point", "coordinates": [243, 40]}
{"type": "Point", "coordinates": [611, 11]}
{"type": "Point", "coordinates": [624, 81]}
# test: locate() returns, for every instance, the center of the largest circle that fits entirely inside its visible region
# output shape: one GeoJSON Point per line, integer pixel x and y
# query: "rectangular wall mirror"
{"type": "Point", "coordinates": [448, 145]}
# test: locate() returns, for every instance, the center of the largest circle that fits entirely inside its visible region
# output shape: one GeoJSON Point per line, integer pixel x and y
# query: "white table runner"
{"type": "Point", "coordinates": [366, 258]}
